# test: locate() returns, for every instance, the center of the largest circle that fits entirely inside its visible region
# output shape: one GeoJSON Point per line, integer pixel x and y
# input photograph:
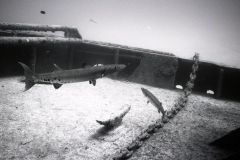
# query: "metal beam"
{"type": "Point", "coordinates": [70, 32]}
{"type": "Point", "coordinates": [10, 33]}
{"type": "Point", "coordinates": [39, 41]}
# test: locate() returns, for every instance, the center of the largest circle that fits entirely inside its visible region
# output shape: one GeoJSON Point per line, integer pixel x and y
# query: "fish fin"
{"type": "Point", "coordinates": [94, 82]}
{"type": "Point", "coordinates": [56, 68]}
{"type": "Point", "coordinates": [57, 85]}
{"type": "Point", "coordinates": [103, 72]}
{"type": "Point", "coordinates": [148, 101]}
{"type": "Point", "coordinates": [28, 73]}
{"type": "Point", "coordinates": [28, 85]}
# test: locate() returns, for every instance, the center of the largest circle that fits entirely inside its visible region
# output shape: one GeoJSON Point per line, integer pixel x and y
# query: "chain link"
{"type": "Point", "coordinates": [127, 153]}
{"type": "Point", "coordinates": [182, 101]}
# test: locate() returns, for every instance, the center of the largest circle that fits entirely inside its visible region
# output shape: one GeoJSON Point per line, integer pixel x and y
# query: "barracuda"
{"type": "Point", "coordinates": [152, 99]}
{"type": "Point", "coordinates": [59, 76]}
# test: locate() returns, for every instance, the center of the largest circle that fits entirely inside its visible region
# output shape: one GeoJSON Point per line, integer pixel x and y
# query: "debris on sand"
{"type": "Point", "coordinates": [114, 121]}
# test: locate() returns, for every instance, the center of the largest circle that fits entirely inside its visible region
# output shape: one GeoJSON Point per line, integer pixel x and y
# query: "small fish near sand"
{"type": "Point", "coordinates": [152, 99]}
{"type": "Point", "coordinates": [59, 76]}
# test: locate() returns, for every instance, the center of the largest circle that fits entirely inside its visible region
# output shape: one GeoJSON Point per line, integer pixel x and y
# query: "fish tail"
{"type": "Point", "coordinates": [28, 73]}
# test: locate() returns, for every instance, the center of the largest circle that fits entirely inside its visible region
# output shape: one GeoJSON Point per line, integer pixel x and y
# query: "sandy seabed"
{"type": "Point", "coordinates": [45, 123]}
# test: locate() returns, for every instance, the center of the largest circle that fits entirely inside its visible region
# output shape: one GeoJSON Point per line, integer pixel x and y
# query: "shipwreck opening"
{"type": "Point", "coordinates": [10, 56]}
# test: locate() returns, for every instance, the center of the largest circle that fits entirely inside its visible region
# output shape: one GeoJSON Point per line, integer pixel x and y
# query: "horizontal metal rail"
{"type": "Point", "coordinates": [36, 41]}
{"type": "Point", "coordinates": [123, 47]}
{"type": "Point", "coordinates": [10, 33]}
{"type": "Point", "coordinates": [70, 32]}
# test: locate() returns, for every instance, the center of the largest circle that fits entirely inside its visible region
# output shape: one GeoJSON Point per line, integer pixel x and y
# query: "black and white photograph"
{"type": "Point", "coordinates": [119, 79]}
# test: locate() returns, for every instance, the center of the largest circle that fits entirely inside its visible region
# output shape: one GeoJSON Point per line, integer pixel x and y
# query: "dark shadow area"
{"type": "Point", "coordinates": [45, 58]}
{"type": "Point", "coordinates": [205, 129]}
{"type": "Point", "coordinates": [230, 141]}
{"type": "Point", "coordinates": [181, 91]}
{"type": "Point", "coordinates": [231, 84]}
{"type": "Point", "coordinates": [207, 75]}
{"type": "Point", "coordinates": [92, 58]}
{"type": "Point", "coordinates": [201, 142]}
{"type": "Point", "coordinates": [10, 56]}
{"type": "Point", "coordinates": [233, 156]}
{"type": "Point", "coordinates": [131, 60]}
{"type": "Point", "coordinates": [103, 131]}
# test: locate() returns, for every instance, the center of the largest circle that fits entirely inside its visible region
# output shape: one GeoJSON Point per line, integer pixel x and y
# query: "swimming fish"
{"type": "Point", "coordinates": [154, 101]}
{"type": "Point", "coordinates": [59, 76]}
{"type": "Point", "coordinates": [94, 21]}
{"type": "Point", "coordinates": [93, 81]}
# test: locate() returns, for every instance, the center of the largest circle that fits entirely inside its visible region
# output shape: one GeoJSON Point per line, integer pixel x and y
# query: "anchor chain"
{"type": "Point", "coordinates": [145, 134]}
{"type": "Point", "coordinates": [182, 101]}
